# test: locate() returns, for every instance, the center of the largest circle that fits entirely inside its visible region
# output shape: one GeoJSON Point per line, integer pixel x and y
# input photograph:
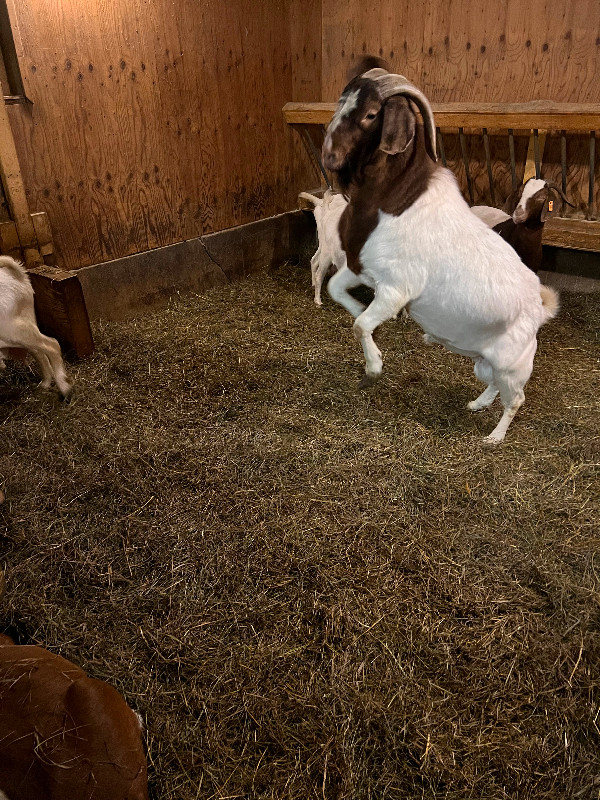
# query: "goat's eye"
{"type": "Point", "coordinates": [371, 115]}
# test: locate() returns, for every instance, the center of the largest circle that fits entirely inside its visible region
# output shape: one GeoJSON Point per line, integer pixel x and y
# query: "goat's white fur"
{"type": "Point", "coordinates": [343, 110]}
{"type": "Point", "coordinates": [490, 215]}
{"type": "Point", "coordinates": [327, 211]}
{"type": "Point", "coordinates": [532, 186]}
{"type": "Point", "coordinates": [466, 287]}
{"type": "Point", "coordinates": [18, 326]}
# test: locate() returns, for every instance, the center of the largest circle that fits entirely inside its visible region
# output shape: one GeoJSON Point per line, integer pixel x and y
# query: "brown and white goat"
{"type": "Point", "coordinates": [409, 234]}
{"type": "Point", "coordinates": [522, 227]}
{"type": "Point", "coordinates": [63, 735]}
{"type": "Point", "coordinates": [19, 333]}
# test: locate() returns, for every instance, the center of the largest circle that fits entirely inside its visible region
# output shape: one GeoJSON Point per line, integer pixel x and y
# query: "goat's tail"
{"type": "Point", "coordinates": [550, 302]}
{"type": "Point", "coordinates": [316, 201]}
{"type": "Point", "coordinates": [16, 269]}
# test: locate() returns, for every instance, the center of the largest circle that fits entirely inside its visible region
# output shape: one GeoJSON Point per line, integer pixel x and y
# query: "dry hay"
{"type": "Point", "coordinates": [310, 591]}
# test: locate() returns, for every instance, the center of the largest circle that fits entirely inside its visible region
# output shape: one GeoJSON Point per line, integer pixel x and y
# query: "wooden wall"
{"type": "Point", "coordinates": [154, 122]}
{"type": "Point", "coordinates": [479, 51]}
{"type": "Point", "coordinates": [471, 50]}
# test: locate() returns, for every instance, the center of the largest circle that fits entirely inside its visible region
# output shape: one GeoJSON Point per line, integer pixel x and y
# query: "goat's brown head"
{"type": "Point", "coordinates": [530, 202]}
{"type": "Point", "coordinates": [375, 112]}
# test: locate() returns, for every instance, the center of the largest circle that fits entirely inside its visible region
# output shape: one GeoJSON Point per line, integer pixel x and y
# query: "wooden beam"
{"type": "Point", "coordinates": [494, 116]}
{"type": "Point", "coordinates": [43, 232]}
{"type": "Point", "coordinates": [60, 309]}
{"type": "Point", "coordinates": [12, 180]}
{"type": "Point", "coordinates": [576, 234]}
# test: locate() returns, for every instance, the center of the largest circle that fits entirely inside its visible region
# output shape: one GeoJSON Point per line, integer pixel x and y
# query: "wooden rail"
{"type": "Point", "coordinates": [572, 117]}
{"type": "Point", "coordinates": [534, 119]}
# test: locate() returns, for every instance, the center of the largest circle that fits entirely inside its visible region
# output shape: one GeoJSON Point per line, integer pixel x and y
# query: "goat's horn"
{"type": "Point", "coordinates": [560, 192]}
{"type": "Point", "coordinates": [389, 85]}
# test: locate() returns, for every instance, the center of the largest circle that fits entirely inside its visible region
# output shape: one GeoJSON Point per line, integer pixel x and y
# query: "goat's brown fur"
{"type": "Point", "coordinates": [63, 735]}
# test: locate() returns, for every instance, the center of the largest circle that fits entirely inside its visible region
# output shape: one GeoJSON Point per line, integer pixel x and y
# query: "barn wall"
{"type": "Point", "coordinates": [156, 122]}
{"type": "Point", "coordinates": [471, 51]}
{"type": "Point", "coordinates": [480, 51]}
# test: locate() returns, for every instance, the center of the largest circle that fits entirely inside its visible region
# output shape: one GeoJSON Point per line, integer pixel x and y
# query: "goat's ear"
{"type": "Point", "coordinates": [364, 64]}
{"type": "Point", "coordinates": [546, 209]}
{"type": "Point", "coordinates": [512, 201]}
{"type": "Point", "coordinates": [399, 126]}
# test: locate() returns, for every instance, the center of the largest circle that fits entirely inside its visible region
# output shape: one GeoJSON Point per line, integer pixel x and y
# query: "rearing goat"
{"type": "Point", "coordinates": [409, 235]}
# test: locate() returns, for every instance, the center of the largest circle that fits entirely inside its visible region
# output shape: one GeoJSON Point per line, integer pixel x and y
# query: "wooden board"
{"type": "Point", "coordinates": [485, 52]}
{"type": "Point", "coordinates": [60, 309]}
{"type": "Point", "coordinates": [473, 116]}
{"type": "Point", "coordinates": [471, 52]}
{"type": "Point", "coordinates": [157, 122]}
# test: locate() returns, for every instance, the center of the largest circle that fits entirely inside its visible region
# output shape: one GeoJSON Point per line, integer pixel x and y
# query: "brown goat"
{"type": "Point", "coordinates": [63, 735]}
{"type": "Point", "coordinates": [522, 222]}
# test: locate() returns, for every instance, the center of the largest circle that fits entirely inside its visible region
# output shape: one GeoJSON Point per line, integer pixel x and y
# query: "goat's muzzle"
{"type": "Point", "coordinates": [333, 157]}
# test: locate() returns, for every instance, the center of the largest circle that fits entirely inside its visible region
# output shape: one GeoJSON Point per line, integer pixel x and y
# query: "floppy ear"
{"type": "Point", "coordinates": [546, 212]}
{"type": "Point", "coordinates": [399, 126]}
{"type": "Point", "coordinates": [512, 201]}
{"type": "Point", "coordinates": [364, 64]}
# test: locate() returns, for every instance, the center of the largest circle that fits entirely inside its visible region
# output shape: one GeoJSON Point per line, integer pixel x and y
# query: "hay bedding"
{"type": "Point", "coordinates": [310, 591]}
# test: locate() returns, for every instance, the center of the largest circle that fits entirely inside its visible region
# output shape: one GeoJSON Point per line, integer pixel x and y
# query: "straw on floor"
{"type": "Point", "coordinates": [309, 591]}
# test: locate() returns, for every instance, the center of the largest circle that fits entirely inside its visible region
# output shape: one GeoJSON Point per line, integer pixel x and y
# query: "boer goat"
{"type": "Point", "coordinates": [327, 211]}
{"type": "Point", "coordinates": [19, 333]}
{"type": "Point", "coordinates": [64, 736]}
{"type": "Point", "coordinates": [409, 235]}
{"type": "Point", "coordinates": [528, 207]}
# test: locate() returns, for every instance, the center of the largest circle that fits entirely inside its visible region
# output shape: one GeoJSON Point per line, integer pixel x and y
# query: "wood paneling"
{"type": "Point", "coordinates": [471, 50]}
{"type": "Point", "coordinates": [155, 122]}
{"type": "Point", "coordinates": [478, 51]}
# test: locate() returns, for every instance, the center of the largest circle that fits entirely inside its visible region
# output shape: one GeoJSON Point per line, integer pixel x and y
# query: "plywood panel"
{"type": "Point", "coordinates": [157, 122]}
{"type": "Point", "coordinates": [462, 50]}
{"type": "Point", "coordinates": [480, 52]}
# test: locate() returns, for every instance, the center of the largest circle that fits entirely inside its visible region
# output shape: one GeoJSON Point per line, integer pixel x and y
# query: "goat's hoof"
{"type": "Point", "coordinates": [367, 381]}
{"type": "Point", "coordinates": [473, 405]}
{"type": "Point", "coordinates": [66, 394]}
{"type": "Point", "coordinates": [492, 441]}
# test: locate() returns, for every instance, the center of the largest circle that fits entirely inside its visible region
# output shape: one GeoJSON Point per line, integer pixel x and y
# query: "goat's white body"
{"type": "Point", "coordinates": [466, 286]}
{"type": "Point", "coordinates": [18, 326]}
{"type": "Point", "coordinates": [330, 253]}
{"type": "Point", "coordinates": [490, 215]}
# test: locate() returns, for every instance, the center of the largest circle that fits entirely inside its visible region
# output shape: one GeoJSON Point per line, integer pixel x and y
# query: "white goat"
{"type": "Point", "coordinates": [19, 330]}
{"type": "Point", "coordinates": [409, 234]}
{"type": "Point", "coordinates": [329, 253]}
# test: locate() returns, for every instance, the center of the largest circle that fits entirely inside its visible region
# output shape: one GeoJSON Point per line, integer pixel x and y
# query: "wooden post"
{"type": "Point", "coordinates": [10, 172]}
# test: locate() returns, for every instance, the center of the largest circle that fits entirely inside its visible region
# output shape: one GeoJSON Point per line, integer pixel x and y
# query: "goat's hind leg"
{"type": "Point", "coordinates": [46, 351]}
{"type": "Point", "coordinates": [510, 383]}
{"type": "Point", "coordinates": [483, 370]}
{"type": "Point", "coordinates": [385, 305]}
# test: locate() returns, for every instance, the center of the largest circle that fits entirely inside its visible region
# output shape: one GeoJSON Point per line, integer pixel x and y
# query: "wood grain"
{"type": "Point", "coordinates": [157, 122]}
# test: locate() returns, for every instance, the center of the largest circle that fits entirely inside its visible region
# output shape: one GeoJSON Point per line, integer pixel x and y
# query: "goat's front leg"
{"type": "Point", "coordinates": [386, 304]}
